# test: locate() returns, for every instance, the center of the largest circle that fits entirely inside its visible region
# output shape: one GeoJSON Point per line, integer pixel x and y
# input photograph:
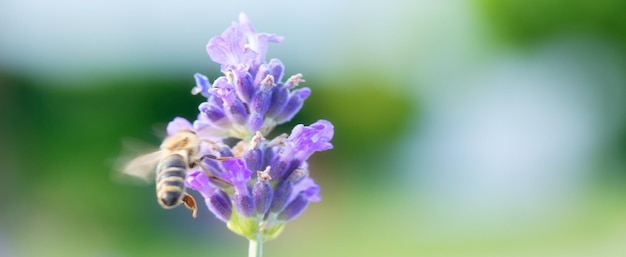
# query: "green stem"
{"type": "Point", "coordinates": [256, 246]}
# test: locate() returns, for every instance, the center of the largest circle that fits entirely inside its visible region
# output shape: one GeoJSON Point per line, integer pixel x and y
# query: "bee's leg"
{"type": "Point", "coordinates": [213, 157]}
{"type": "Point", "coordinates": [190, 203]}
{"type": "Point", "coordinates": [208, 173]}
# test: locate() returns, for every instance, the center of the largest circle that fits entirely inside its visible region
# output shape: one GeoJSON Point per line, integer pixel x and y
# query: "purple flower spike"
{"type": "Point", "coordinates": [242, 107]}
{"type": "Point", "coordinates": [177, 125]}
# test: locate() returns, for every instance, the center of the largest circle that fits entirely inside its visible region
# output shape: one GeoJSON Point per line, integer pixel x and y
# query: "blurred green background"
{"type": "Point", "coordinates": [463, 128]}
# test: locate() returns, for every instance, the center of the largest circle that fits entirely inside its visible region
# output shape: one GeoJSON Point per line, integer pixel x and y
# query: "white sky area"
{"type": "Point", "coordinates": [76, 37]}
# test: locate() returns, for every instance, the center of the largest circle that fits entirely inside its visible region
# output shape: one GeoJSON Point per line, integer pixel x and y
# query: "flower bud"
{"type": "Point", "coordinates": [202, 85]}
{"type": "Point", "coordinates": [294, 104]}
{"type": "Point", "coordinates": [293, 165]}
{"type": "Point", "coordinates": [237, 113]}
{"type": "Point", "coordinates": [300, 173]}
{"type": "Point", "coordinates": [253, 159]}
{"type": "Point", "coordinates": [294, 208]}
{"type": "Point", "coordinates": [281, 195]}
{"type": "Point", "coordinates": [219, 204]}
{"type": "Point", "coordinates": [214, 115]}
{"type": "Point", "coordinates": [215, 101]}
{"type": "Point", "coordinates": [262, 196]}
{"type": "Point", "coordinates": [282, 168]}
{"type": "Point", "coordinates": [276, 69]}
{"type": "Point", "coordinates": [233, 107]}
{"type": "Point", "coordinates": [244, 87]}
{"type": "Point", "coordinates": [261, 73]}
{"type": "Point", "coordinates": [268, 156]}
{"type": "Point", "coordinates": [244, 204]}
{"type": "Point", "coordinates": [260, 102]}
{"type": "Point", "coordinates": [280, 95]}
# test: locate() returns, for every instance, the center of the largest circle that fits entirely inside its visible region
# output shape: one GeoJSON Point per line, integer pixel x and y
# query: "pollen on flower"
{"type": "Point", "coordinates": [267, 81]}
{"type": "Point", "coordinates": [294, 81]}
{"type": "Point", "coordinates": [264, 175]}
{"type": "Point", "coordinates": [258, 137]}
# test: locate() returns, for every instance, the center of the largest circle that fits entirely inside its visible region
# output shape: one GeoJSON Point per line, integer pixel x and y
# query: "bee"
{"type": "Point", "coordinates": [178, 153]}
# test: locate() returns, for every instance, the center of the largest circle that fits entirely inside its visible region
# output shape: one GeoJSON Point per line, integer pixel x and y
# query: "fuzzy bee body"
{"type": "Point", "coordinates": [177, 154]}
{"type": "Point", "coordinates": [170, 181]}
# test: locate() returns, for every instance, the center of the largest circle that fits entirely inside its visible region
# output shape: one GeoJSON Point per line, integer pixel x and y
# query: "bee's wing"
{"type": "Point", "coordinates": [210, 132]}
{"type": "Point", "coordinates": [143, 166]}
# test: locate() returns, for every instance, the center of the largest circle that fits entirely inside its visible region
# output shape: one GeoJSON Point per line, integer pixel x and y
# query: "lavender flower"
{"type": "Point", "coordinates": [264, 201]}
{"type": "Point", "coordinates": [268, 181]}
{"type": "Point", "coordinates": [251, 95]}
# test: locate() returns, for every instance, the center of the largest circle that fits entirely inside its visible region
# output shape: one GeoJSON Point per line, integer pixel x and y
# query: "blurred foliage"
{"type": "Point", "coordinates": [62, 142]}
{"type": "Point", "coordinates": [521, 21]}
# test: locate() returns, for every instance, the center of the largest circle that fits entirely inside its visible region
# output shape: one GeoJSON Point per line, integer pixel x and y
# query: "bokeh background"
{"type": "Point", "coordinates": [463, 128]}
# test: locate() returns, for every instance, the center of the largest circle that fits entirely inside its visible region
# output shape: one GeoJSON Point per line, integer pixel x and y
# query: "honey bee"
{"type": "Point", "coordinates": [177, 153]}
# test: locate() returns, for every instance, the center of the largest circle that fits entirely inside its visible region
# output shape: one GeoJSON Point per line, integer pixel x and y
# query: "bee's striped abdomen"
{"type": "Point", "coordinates": [170, 180]}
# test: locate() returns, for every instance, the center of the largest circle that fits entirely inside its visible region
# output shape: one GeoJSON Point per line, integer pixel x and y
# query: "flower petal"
{"type": "Point", "coordinates": [177, 125]}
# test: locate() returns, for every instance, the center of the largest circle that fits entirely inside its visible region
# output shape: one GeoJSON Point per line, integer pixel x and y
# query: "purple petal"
{"type": "Point", "coordinates": [262, 196]}
{"type": "Point", "coordinates": [282, 192]}
{"type": "Point", "coordinates": [237, 174]}
{"type": "Point", "coordinates": [308, 188]}
{"type": "Point", "coordinates": [219, 203]}
{"type": "Point", "coordinates": [229, 50]}
{"type": "Point", "coordinates": [253, 158]}
{"type": "Point", "coordinates": [213, 115]}
{"type": "Point", "coordinates": [202, 85]}
{"type": "Point", "coordinates": [197, 180]}
{"type": "Point", "coordinates": [294, 208]}
{"type": "Point", "coordinates": [244, 87]}
{"type": "Point", "coordinates": [257, 42]}
{"type": "Point", "coordinates": [293, 105]}
{"type": "Point", "coordinates": [177, 125]}
{"type": "Point", "coordinates": [280, 95]}
{"type": "Point", "coordinates": [244, 204]}
{"type": "Point", "coordinates": [276, 69]}
{"type": "Point", "coordinates": [304, 141]}
{"type": "Point", "coordinates": [259, 104]}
